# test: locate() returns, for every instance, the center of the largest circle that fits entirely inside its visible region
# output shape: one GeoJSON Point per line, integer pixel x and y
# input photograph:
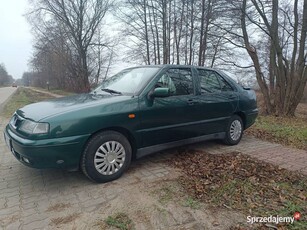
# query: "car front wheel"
{"type": "Point", "coordinates": [234, 131]}
{"type": "Point", "coordinates": [106, 156]}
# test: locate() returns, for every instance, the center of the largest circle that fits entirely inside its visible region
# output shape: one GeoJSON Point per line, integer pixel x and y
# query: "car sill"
{"type": "Point", "coordinates": [156, 148]}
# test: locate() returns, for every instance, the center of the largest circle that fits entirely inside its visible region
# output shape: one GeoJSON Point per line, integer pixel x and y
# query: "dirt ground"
{"type": "Point", "coordinates": [152, 203]}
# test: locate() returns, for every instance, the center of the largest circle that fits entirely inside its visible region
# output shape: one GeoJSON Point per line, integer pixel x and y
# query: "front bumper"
{"type": "Point", "coordinates": [64, 152]}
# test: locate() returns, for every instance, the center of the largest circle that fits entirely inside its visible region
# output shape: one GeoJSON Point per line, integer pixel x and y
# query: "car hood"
{"type": "Point", "coordinates": [45, 109]}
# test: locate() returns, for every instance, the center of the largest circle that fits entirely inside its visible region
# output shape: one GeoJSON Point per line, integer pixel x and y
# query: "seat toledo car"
{"type": "Point", "coordinates": [138, 111]}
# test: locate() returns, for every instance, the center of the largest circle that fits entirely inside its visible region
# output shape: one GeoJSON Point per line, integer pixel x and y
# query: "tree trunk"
{"type": "Point", "coordinates": [164, 31]}
{"type": "Point", "coordinates": [146, 32]}
{"type": "Point", "coordinates": [191, 33]}
{"type": "Point", "coordinates": [201, 40]}
{"type": "Point", "coordinates": [287, 76]}
{"type": "Point", "coordinates": [253, 54]}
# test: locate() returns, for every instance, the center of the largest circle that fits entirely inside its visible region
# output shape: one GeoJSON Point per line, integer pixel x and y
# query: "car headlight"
{"type": "Point", "coordinates": [32, 127]}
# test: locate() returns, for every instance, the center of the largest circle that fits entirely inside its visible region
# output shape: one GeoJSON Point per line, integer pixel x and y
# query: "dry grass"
{"type": "Point", "coordinates": [65, 220]}
{"type": "Point", "coordinates": [289, 131]}
{"type": "Point", "coordinates": [301, 111]}
{"type": "Point", "coordinates": [285, 131]}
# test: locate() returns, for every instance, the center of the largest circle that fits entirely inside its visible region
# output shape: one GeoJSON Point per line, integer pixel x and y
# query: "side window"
{"type": "Point", "coordinates": [179, 81]}
{"type": "Point", "coordinates": [209, 82]}
{"type": "Point", "coordinates": [212, 82]}
{"type": "Point", "coordinates": [225, 85]}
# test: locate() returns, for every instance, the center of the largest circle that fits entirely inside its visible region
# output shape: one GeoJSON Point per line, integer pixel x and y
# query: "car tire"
{"type": "Point", "coordinates": [234, 131]}
{"type": "Point", "coordinates": [106, 156]}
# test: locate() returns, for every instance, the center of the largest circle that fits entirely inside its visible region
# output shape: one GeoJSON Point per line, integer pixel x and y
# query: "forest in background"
{"type": "Point", "coordinates": [78, 43]}
{"type": "Point", "coordinates": [5, 78]}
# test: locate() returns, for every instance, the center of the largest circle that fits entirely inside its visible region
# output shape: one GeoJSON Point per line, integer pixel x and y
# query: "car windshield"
{"type": "Point", "coordinates": [129, 81]}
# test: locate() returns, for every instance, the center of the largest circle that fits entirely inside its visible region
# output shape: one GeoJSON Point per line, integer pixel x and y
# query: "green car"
{"type": "Point", "coordinates": [138, 111]}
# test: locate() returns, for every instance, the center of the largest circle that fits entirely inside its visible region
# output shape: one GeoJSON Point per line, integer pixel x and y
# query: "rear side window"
{"type": "Point", "coordinates": [212, 82]}
{"type": "Point", "coordinates": [179, 81]}
{"type": "Point", "coordinates": [225, 86]}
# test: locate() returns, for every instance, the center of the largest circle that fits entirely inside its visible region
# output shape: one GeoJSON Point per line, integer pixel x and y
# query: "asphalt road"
{"type": "Point", "coordinates": [5, 93]}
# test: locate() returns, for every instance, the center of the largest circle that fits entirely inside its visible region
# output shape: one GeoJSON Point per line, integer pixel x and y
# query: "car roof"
{"type": "Point", "coordinates": [173, 65]}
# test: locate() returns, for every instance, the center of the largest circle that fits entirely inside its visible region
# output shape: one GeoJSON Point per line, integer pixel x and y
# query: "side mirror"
{"type": "Point", "coordinates": [160, 92]}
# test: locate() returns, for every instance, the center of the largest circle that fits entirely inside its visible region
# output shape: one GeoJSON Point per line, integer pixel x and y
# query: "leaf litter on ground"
{"type": "Point", "coordinates": [239, 182]}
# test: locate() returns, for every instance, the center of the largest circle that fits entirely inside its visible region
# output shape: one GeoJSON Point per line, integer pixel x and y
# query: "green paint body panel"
{"type": "Point", "coordinates": [158, 121]}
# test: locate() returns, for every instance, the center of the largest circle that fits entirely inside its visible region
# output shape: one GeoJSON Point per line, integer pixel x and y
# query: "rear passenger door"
{"type": "Point", "coordinates": [217, 101]}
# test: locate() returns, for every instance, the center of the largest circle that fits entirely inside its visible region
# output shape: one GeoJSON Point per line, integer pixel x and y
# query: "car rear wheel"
{"type": "Point", "coordinates": [106, 156]}
{"type": "Point", "coordinates": [234, 131]}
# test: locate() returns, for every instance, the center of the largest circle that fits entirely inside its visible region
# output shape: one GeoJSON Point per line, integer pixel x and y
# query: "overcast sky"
{"type": "Point", "coordinates": [15, 37]}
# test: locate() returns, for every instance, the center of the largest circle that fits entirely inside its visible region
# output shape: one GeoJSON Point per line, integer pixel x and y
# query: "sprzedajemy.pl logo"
{"type": "Point", "coordinates": [273, 219]}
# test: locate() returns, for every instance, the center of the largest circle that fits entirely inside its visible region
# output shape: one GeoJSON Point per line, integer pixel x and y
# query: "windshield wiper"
{"type": "Point", "coordinates": [111, 91]}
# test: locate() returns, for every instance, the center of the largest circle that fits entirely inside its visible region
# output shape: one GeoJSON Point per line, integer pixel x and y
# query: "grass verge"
{"type": "Point", "coordinates": [55, 91]}
{"type": "Point", "coordinates": [21, 98]}
{"type": "Point", "coordinates": [286, 131]}
{"type": "Point", "coordinates": [241, 183]}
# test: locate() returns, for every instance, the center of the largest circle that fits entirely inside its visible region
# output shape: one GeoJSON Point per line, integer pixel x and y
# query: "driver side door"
{"type": "Point", "coordinates": [168, 119]}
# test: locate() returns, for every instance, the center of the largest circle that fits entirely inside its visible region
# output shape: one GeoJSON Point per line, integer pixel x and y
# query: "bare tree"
{"type": "Point", "coordinates": [206, 11]}
{"type": "Point", "coordinates": [80, 19]}
{"type": "Point", "coordinates": [175, 31]}
{"type": "Point", "coordinates": [284, 87]}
